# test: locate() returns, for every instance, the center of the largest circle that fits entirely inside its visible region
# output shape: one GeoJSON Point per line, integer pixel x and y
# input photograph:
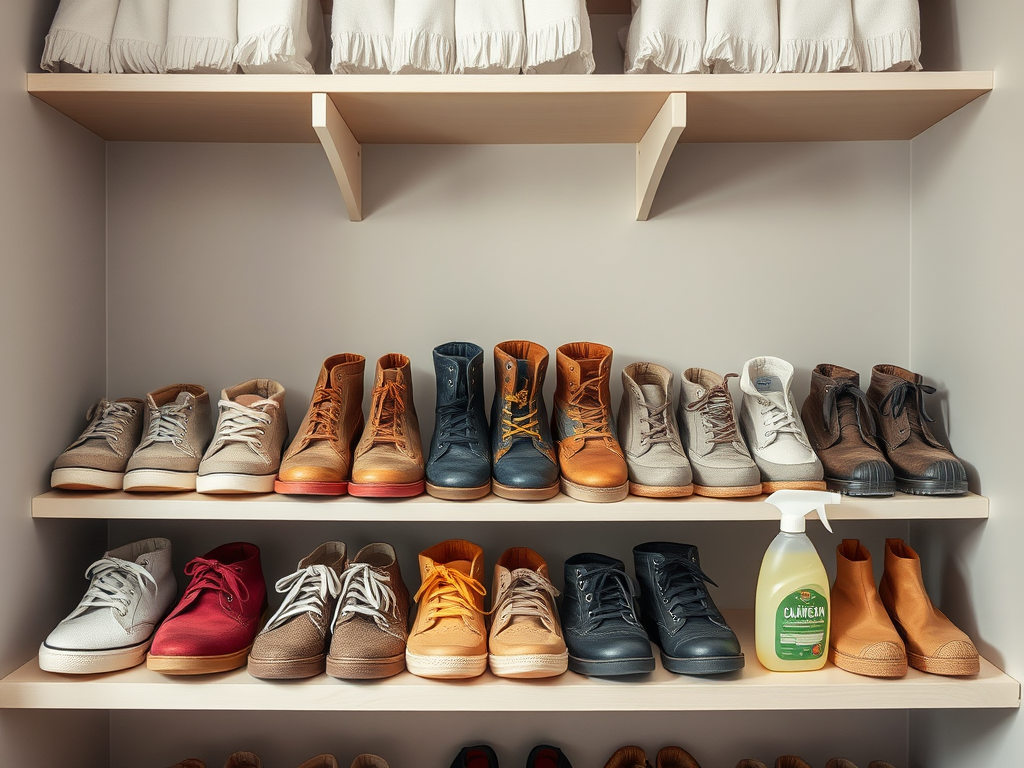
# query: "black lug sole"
{"type": "Point", "coordinates": [612, 667]}
{"type": "Point", "coordinates": [861, 487]}
{"type": "Point", "coordinates": [931, 487]}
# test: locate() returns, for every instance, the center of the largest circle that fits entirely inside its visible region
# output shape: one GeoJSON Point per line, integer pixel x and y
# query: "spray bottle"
{"type": "Point", "coordinates": [792, 608]}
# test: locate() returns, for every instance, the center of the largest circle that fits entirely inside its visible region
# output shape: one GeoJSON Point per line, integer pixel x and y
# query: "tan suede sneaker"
{"type": "Point", "coordinates": [448, 637]}
{"type": "Point", "coordinates": [96, 461]}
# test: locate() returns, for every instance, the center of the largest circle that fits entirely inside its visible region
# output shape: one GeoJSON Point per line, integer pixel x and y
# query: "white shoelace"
{"type": "Point", "coordinates": [367, 592]}
{"type": "Point", "coordinates": [307, 590]}
{"type": "Point", "coordinates": [526, 597]}
{"type": "Point", "coordinates": [778, 420]}
{"type": "Point", "coordinates": [112, 421]}
{"type": "Point", "coordinates": [167, 424]}
{"type": "Point", "coordinates": [113, 585]}
{"type": "Point", "coordinates": [244, 424]}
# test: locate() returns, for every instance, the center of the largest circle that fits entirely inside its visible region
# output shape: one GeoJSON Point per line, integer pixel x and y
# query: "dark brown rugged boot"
{"type": "Point", "coordinates": [922, 464]}
{"type": "Point", "coordinates": [841, 429]}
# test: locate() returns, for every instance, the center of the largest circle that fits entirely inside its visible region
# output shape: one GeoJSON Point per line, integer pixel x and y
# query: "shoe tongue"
{"type": "Point", "coordinates": [184, 397]}
{"type": "Point", "coordinates": [589, 367]}
{"type": "Point", "coordinates": [522, 375]}
{"type": "Point", "coordinates": [653, 395]}
{"type": "Point", "coordinates": [462, 566]}
{"type": "Point", "coordinates": [248, 400]}
{"type": "Point", "coordinates": [771, 388]}
{"type": "Point", "coordinates": [456, 377]}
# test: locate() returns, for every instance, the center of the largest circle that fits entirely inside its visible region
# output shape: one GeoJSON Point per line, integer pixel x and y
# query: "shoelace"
{"type": "Point", "coordinates": [324, 414]}
{"type": "Point", "coordinates": [244, 424]}
{"type": "Point", "coordinates": [113, 419]}
{"type": "Point", "coordinates": [454, 425]}
{"type": "Point", "coordinates": [450, 594]}
{"type": "Point", "coordinates": [654, 426]}
{"type": "Point", "coordinates": [367, 592]}
{"type": "Point", "coordinates": [716, 411]}
{"type": "Point", "coordinates": [897, 399]}
{"type": "Point", "coordinates": [112, 584]}
{"type": "Point", "coordinates": [612, 590]}
{"type": "Point", "coordinates": [525, 424]}
{"type": "Point", "coordinates": [527, 595]}
{"type": "Point", "coordinates": [388, 405]}
{"type": "Point", "coordinates": [167, 424]}
{"type": "Point", "coordinates": [682, 582]}
{"type": "Point", "coordinates": [778, 420]}
{"type": "Point", "coordinates": [307, 590]}
{"type": "Point", "coordinates": [861, 409]}
{"type": "Point", "coordinates": [214, 575]}
{"type": "Point", "coordinates": [592, 414]}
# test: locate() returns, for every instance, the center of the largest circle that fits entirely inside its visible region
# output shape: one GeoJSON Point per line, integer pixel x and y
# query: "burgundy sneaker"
{"type": "Point", "coordinates": [213, 626]}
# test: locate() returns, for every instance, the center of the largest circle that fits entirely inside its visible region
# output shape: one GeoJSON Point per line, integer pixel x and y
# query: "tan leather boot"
{"type": "Point", "coordinates": [861, 639]}
{"type": "Point", "coordinates": [389, 457]}
{"type": "Point", "coordinates": [933, 643]}
{"type": "Point", "coordinates": [593, 466]}
{"type": "Point", "coordinates": [675, 757]}
{"type": "Point", "coordinates": [628, 757]}
{"type": "Point", "coordinates": [791, 761]}
{"type": "Point", "coordinates": [319, 458]}
{"type": "Point", "coordinates": [750, 763]}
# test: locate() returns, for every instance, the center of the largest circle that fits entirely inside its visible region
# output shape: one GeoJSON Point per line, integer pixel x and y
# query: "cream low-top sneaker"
{"type": "Point", "coordinates": [772, 427]}
{"type": "Point", "coordinates": [131, 589]}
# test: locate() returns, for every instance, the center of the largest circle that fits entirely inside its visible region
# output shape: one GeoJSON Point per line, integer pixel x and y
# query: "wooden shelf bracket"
{"type": "Point", "coordinates": [654, 150]}
{"type": "Point", "coordinates": [343, 151]}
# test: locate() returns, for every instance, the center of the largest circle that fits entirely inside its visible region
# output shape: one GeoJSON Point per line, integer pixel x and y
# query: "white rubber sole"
{"type": "Point", "coordinates": [228, 482]}
{"type": "Point", "coordinates": [590, 493]}
{"type": "Point", "coordinates": [84, 479]}
{"type": "Point", "coordinates": [159, 480]}
{"type": "Point", "coordinates": [529, 665]}
{"type": "Point", "coordinates": [91, 662]}
{"type": "Point", "coordinates": [445, 666]}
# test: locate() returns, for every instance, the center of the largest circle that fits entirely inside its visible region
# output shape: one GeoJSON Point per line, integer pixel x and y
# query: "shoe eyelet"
{"type": "Point", "coordinates": [589, 598]}
{"type": "Point", "coordinates": [664, 600]}
{"type": "Point", "coordinates": [230, 599]}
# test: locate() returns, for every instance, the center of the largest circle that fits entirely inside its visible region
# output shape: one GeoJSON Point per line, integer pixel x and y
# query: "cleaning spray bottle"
{"type": "Point", "coordinates": [792, 608]}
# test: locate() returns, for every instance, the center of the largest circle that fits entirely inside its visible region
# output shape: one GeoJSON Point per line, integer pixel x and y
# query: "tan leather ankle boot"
{"type": "Point", "coordinates": [933, 643]}
{"type": "Point", "coordinates": [862, 639]}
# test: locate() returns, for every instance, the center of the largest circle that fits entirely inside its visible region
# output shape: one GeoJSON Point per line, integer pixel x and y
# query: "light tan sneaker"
{"type": "Point", "coordinates": [526, 635]}
{"type": "Point", "coordinates": [96, 461]}
{"type": "Point", "coordinates": [448, 638]}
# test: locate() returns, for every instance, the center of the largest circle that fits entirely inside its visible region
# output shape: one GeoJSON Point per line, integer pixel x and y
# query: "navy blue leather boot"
{"type": "Point", "coordinates": [599, 619]}
{"type": "Point", "coordinates": [678, 613]}
{"type": "Point", "coordinates": [459, 464]}
{"type": "Point", "coordinates": [525, 462]}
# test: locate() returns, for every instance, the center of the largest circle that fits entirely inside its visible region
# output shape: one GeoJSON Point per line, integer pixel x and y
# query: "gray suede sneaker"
{"type": "Point", "coordinates": [96, 461]}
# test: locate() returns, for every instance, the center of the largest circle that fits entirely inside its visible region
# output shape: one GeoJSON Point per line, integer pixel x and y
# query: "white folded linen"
{"type": "Point", "coordinates": [888, 35]}
{"type": "Point", "coordinates": [139, 37]}
{"type": "Point", "coordinates": [816, 36]}
{"type": "Point", "coordinates": [666, 36]}
{"type": "Point", "coordinates": [281, 37]}
{"type": "Point", "coordinates": [424, 40]}
{"type": "Point", "coordinates": [79, 37]}
{"type": "Point", "coordinates": [361, 36]}
{"type": "Point", "coordinates": [490, 36]}
{"type": "Point", "coordinates": [558, 38]}
{"type": "Point", "coordinates": [742, 36]}
{"type": "Point", "coordinates": [201, 36]}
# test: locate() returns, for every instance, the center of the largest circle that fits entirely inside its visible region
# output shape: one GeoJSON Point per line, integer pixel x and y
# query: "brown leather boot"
{"type": "Point", "coordinates": [593, 466]}
{"type": "Point", "coordinates": [389, 457]}
{"type": "Point", "coordinates": [675, 757]}
{"type": "Point", "coordinates": [791, 761]}
{"type": "Point", "coordinates": [319, 458]}
{"type": "Point", "coordinates": [933, 643]}
{"type": "Point", "coordinates": [841, 429]}
{"type": "Point", "coordinates": [922, 464]}
{"type": "Point", "coordinates": [750, 763]}
{"type": "Point", "coordinates": [628, 757]}
{"type": "Point", "coordinates": [840, 762]}
{"type": "Point", "coordinates": [861, 639]}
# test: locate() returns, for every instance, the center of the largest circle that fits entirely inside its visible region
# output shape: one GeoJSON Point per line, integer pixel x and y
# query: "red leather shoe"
{"type": "Point", "coordinates": [213, 626]}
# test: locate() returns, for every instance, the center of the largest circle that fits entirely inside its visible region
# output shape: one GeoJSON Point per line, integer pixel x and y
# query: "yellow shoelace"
{"type": "Point", "coordinates": [449, 594]}
{"type": "Point", "coordinates": [518, 425]}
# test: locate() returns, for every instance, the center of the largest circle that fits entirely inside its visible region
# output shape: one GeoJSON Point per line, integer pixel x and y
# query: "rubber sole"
{"type": "Point", "coordinates": [860, 487]}
{"type": "Point", "coordinates": [451, 667]}
{"type": "Point", "coordinates": [714, 665]}
{"type": "Point", "coordinates": [529, 665]}
{"type": "Point", "coordinates": [197, 665]}
{"type": "Point", "coordinates": [365, 669]}
{"type": "Point", "coordinates": [85, 479]}
{"type": "Point", "coordinates": [661, 491]}
{"type": "Point", "coordinates": [302, 488]}
{"type": "Point", "coordinates": [458, 494]}
{"type": "Point", "coordinates": [792, 485]}
{"type": "Point", "coordinates": [386, 490]}
{"type": "Point", "coordinates": [233, 482]}
{"type": "Point", "coordinates": [949, 667]}
{"type": "Point", "coordinates": [612, 668]}
{"type": "Point", "coordinates": [592, 494]}
{"type": "Point", "coordinates": [286, 669]}
{"type": "Point", "coordinates": [727, 491]}
{"type": "Point", "coordinates": [524, 494]}
{"type": "Point", "coordinates": [868, 667]}
{"type": "Point", "coordinates": [931, 487]}
{"type": "Point", "coordinates": [79, 662]}
{"type": "Point", "coordinates": [159, 480]}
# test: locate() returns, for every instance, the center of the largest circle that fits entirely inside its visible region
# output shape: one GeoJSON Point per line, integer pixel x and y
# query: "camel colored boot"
{"type": "Point", "coordinates": [933, 643]}
{"type": "Point", "coordinates": [628, 757]}
{"type": "Point", "coordinates": [389, 457]}
{"type": "Point", "coordinates": [862, 638]}
{"type": "Point", "coordinates": [675, 757]}
{"type": "Point", "coordinates": [791, 761]}
{"type": "Point", "coordinates": [750, 763]}
{"type": "Point", "coordinates": [593, 466]}
{"type": "Point", "coordinates": [319, 458]}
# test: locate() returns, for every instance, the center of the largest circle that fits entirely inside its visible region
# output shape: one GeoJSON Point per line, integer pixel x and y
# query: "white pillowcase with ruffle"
{"type": "Point", "coordinates": [742, 36]}
{"type": "Point", "coordinates": [666, 36]}
{"type": "Point", "coordinates": [201, 36]}
{"type": "Point", "coordinates": [424, 39]}
{"type": "Point", "coordinates": [139, 36]}
{"type": "Point", "coordinates": [79, 37]}
{"type": "Point", "coordinates": [361, 37]}
{"type": "Point", "coordinates": [888, 35]}
{"type": "Point", "coordinates": [281, 37]}
{"type": "Point", "coordinates": [490, 37]}
{"type": "Point", "coordinates": [558, 38]}
{"type": "Point", "coordinates": [816, 36]}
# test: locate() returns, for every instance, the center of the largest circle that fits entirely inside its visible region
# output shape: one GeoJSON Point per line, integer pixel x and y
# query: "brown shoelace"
{"type": "Point", "coordinates": [324, 414]}
{"type": "Point", "coordinates": [716, 411]}
{"type": "Point", "coordinates": [388, 406]}
{"type": "Point", "coordinates": [592, 414]}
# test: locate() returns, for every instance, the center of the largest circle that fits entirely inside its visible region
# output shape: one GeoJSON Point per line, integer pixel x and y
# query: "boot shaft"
{"type": "Point", "coordinates": [392, 419]}
{"type": "Point", "coordinates": [460, 417]}
{"type": "Point", "coordinates": [518, 411]}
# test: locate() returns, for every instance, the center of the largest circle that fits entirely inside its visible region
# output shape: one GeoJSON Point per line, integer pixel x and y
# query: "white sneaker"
{"type": "Point", "coordinates": [131, 589]}
{"type": "Point", "coordinates": [772, 427]}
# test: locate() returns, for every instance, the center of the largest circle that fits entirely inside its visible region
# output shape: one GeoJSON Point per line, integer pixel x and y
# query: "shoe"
{"type": "Point", "coordinates": [525, 465]}
{"type": "Point", "coordinates": [840, 762]}
{"type": "Point", "coordinates": [675, 757]}
{"type": "Point", "coordinates": [790, 761]}
{"type": "Point", "coordinates": [246, 450]}
{"type": "Point", "coordinates": [459, 465]}
{"type": "Point", "coordinates": [841, 430]}
{"type": "Point", "coordinates": [190, 762]}
{"type": "Point", "coordinates": [649, 435]}
{"type": "Point", "coordinates": [592, 463]}
{"type": "Point", "coordinates": [389, 457]}
{"type": "Point", "coordinates": [678, 613]}
{"type": "Point", "coordinates": [371, 621]}
{"type": "Point", "coordinates": [213, 626]}
{"type": "Point", "coordinates": [321, 761]}
{"type": "Point", "coordinates": [243, 760]}
{"type": "Point", "coordinates": [773, 428]}
{"type": "Point", "coordinates": [932, 641]}
{"type": "Point", "coordinates": [546, 756]}
{"type": "Point", "coordinates": [369, 761]}
{"type": "Point", "coordinates": [750, 763]}
{"type": "Point", "coordinates": [719, 458]}
{"type": "Point", "coordinates": [177, 432]}
{"type": "Point", "coordinates": [448, 638]}
{"type": "Point", "coordinates": [861, 638]}
{"type": "Point", "coordinates": [96, 461]}
{"type": "Point", "coordinates": [599, 619]}
{"type": "Point", "coordinates": [131, 588]}
{"type": "Point", "coordinates": [921, 463]}
{"type": "Point", "coordinates": [319, 458]}
{"type": "Point", "coordinates": [526, 635]}
{"type": "Point", "coordinates": [628, 757]}
{"type": "Point", "coordinates": [293, 644]}
{"type": "Point", "coordinates": [479, 756]}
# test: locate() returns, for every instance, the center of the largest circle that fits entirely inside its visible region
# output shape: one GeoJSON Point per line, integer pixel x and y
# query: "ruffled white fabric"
{"type": "Point", "coordinates": [201, 36]}
{"type": "Point", "coordinates": [666, 36]}
{"type": "Point", "coordinates": [281, 37]}
{"type": "Point", "coordinates": [424, 39]}
{"type": "Point", "coordinates": [558, 38]}
{"type": "Point", "coordinates": [490, 36]}
{"type": "Point", "coordinates": [140, 34]}
{"type": "Point", "coordinates": [888, 35]}
{"type": "Point", "coordinates": [816, 36]}
{"type": "Point", "coordinates": [361, 37]}
{"type": "Point", "coordinates": [742, 36]}
{"type": "Point", "coordinates": [79, 38]}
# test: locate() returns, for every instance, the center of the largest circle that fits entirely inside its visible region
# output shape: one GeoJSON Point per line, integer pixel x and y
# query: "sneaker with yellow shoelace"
{"type": "Point", "coordinates": [524, 466]}
{"type": "Point", "coordinates": [448, 637]}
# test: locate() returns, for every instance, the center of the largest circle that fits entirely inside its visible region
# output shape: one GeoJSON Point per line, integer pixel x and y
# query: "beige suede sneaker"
{"type": "Point", "coordinates": [96, 461]}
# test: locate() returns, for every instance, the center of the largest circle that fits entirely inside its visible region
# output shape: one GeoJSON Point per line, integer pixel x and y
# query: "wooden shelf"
{"type": "Point", "coordinates": [754, 688]}
{"type": "Point", "coordinates": [119, 505]}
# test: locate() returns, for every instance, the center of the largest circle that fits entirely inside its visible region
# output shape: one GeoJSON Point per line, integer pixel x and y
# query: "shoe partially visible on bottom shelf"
{"type": "Point", "coordinates": [478, 756]}
{"type": "Point", "coordinates": [190, 762]}
{"type": "Point", "coordinates": [546, 756]}
{"type": "Point", "coordinates": [628, 757]}
{"type": "Point", "coordinates": [750, 763]}
{"type": "Point", "coordinates": [321, 761]}
{"type": "Point", "coordinates": [791, 761]}
{"type": "Point", "coordinates": [675, 757]}
{"type": "Point", "coordinates": [367, 760]}
{"type": "Point", "coordinates": [244, 760]}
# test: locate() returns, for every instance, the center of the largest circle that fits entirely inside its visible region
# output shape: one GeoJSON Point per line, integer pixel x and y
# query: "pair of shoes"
{"type": "Point", "coordinates": [609, 631]}
{"type": "Point", "coordinates": [876, 443]}
{"type": "Point", "coordinates": [449, 638]}
{"type": "Point", "coordinates": [483, 756]}
{"type": "Point", "coordinates": [252, 760]}
{"type": "Point", "coordinates": [878, 632]}
{"type": "Point", "coordinates": [635, 757]}
{"type": "Point", "coordinates": [364, 605]}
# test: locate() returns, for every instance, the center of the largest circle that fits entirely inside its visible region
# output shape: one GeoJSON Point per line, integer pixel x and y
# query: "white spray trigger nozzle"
{"type": "Point", "coordinates": [794, 505]}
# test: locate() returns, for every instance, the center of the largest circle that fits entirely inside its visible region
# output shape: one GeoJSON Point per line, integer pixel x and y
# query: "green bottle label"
{"type": "Point", "coordinates": [800, 626]}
